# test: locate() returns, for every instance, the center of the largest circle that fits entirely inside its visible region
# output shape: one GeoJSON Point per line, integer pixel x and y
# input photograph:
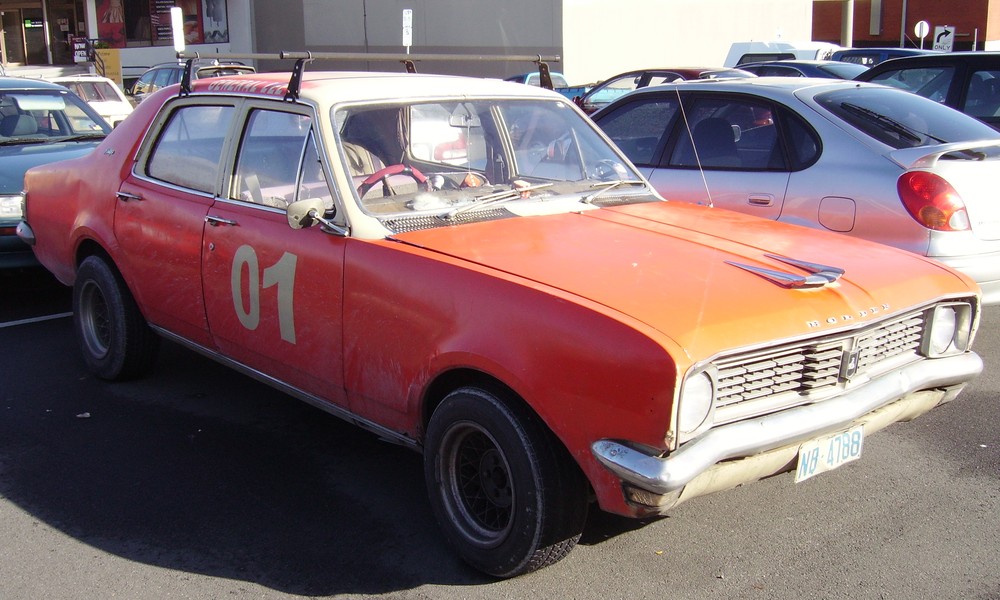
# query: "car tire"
{"type": "Point", "coordinates": [115, 339]}
{"type": "Point", "coordinates": [508, 496]}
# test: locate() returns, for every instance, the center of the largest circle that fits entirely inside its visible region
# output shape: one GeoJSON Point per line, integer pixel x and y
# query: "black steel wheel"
{"type": "Point", "coordinates": [505, 491]}
{"type": "Point", "coordinates": [115, 339]}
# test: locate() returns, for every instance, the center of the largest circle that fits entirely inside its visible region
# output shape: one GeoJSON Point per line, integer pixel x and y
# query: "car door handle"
{"type": "Point", "coordinates": [125, 196]}
{"type": "Point", "coordinates": [761, 200]}
{"type": "Point", "coordinates": [216, 221]}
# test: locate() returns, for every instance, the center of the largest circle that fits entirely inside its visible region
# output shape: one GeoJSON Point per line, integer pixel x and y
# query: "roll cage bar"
{"type": "Point", "coordinates": [408, 61]}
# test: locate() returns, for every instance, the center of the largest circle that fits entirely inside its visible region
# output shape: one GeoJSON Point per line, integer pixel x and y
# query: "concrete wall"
{"type": "Point", "coordinates": [510, 27]}
{"type": "Point", "coordinates": [602, 38]}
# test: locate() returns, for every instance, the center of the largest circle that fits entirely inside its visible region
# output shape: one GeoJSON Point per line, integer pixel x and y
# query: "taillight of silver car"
{"type": "Point", "coordinates": [932, 201]}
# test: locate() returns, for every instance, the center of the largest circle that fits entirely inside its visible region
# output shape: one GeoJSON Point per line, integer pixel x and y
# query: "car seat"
{"type": "Point", "coordinates": [15, 125]}
{"type": "Point", "coordinates": [715, 142]}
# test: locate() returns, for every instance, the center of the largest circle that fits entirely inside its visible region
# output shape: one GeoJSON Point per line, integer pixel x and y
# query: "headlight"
{"type": "Point", "coordinates": [10, 208]}
{"type": "Point", "coordinates": [696, 401]}
{"type": "Point", "coordinates": [949, 330]}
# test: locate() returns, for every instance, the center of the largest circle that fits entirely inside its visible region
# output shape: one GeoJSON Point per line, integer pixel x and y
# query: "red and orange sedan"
{"type": "Point", "coordinates": [470, 268]}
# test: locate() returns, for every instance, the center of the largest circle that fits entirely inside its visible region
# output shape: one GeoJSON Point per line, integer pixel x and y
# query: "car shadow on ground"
{"type": "Point", "coordinates": [199, 469]}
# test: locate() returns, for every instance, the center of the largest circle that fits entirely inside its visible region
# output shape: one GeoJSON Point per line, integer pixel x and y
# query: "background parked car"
{"type": "Point", "coordinates": [870, 57]}
{"type": "Point", "coordinates": [535, 79]}
{"type": "Point", "coordinates": [967, 81]}
{"type": "Point", "coordinates": [170, 73]}
{"type": "Point", "coordinates": [40, 122]}
{"type": "Point", "coordinates": [829, 69]}
{"type": "Point", "coordinates": [102, 94]}
{"type": "Point", "coordinates": [617, 86]}
{"type": "Point", "coordinates": [861, 159]}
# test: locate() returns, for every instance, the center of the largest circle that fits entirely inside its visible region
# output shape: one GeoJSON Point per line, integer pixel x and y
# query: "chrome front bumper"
{"type": "Point", "coordinates": [669, 475]}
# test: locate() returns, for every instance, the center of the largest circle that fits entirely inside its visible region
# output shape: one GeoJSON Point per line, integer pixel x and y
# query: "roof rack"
{"type": "Point", "coordinates": [408, 60]}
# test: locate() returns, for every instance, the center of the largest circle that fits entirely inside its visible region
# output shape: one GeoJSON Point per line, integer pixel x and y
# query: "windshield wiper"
{"type": "Point", "coordinates": [888, 123]}
{"type": "Point", "coordinates": [606, 186]}
{"type": "Point", "coordinates": [17, 141]}
{"type": "Point", "coordinates": [82, 136]}
{"type": "Point", "coordinates": [494, 198]}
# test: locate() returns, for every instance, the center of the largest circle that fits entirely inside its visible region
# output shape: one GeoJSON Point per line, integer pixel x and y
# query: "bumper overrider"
{"type": "Point", "coordinates": [745, 451]}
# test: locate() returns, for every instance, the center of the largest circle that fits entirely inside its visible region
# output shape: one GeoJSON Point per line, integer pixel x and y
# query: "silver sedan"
{"type": "Point", "coordinates": [861, 159]}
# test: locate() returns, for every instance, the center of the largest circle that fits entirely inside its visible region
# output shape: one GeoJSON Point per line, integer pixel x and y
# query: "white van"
{"type": "Point", "coordinates": [741, 53]}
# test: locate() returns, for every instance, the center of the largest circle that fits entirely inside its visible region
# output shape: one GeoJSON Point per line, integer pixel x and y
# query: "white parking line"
{"type": "Point", "coordinates": [35, 320]}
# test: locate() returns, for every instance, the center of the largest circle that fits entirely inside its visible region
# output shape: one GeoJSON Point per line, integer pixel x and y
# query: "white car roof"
{"type": "Point", "coordinates": [334, 87]}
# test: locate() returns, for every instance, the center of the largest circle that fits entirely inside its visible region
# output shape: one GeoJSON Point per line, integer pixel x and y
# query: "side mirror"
{"type": "Point", "coordinates": [305, 213]}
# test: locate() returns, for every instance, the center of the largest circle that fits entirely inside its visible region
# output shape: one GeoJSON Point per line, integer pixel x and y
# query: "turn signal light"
{"type": "Point", "coordinates": [932, 201]}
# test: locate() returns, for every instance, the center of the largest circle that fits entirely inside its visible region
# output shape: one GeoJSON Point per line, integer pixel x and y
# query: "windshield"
{"type": "Point", "coordinates": [32, 116]}
{"type": "Point", "coordinates": [901, 119]}
{"type": "Point", "coordinates": [453, 158]}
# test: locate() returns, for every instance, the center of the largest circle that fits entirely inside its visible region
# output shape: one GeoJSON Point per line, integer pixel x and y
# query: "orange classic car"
{"type": "Point", "coordinates": [470, 268]}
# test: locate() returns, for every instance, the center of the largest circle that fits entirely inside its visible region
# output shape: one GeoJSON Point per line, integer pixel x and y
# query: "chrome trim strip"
{"type": "Point", "coordinates": [317, 402]}
{"type": "Point", "coordinates": [753, 436]}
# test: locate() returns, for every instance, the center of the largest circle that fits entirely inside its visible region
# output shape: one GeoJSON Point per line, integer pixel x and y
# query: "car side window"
{"type": "Point", "coordinates": [803, 143]}
{"type": "Point", "coordinates": [728, 133]}
{"type": "Point", "coordinates": [270, 160]}
{"type": "Point", "coordinates": [982, 97]}
{"type": "Point", "coordinates": [638, 127]}
{"type": "Point", "coordinates": [929, 82]}
{"type": "Point", "coordinates": [188, 150]}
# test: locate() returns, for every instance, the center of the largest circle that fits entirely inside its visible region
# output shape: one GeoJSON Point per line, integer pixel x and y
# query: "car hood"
{"type": "Point", "coordinates": [675, 267]}
{"type": "Point", "coordinates": [18, 159]}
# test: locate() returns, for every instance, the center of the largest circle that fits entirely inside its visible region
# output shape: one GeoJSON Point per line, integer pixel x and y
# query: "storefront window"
{"type": "Point", "coordinates": [147, 22]}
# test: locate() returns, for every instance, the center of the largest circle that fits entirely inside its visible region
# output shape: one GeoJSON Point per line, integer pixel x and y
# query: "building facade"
{"type": "Point", "coordinates": [594, 38]}
{"type": "Point", "coordinates": [975, 23]}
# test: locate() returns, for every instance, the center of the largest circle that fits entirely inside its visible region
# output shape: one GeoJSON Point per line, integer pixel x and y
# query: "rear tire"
{"type": "Point", "coordinates": [115, 339]}
{"type": "Point", "coordinates": [506, 493]}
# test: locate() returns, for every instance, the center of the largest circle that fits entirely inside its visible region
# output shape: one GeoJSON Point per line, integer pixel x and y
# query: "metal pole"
{"type": "Point", "coordinates": [847, 24]}
{"type": "Point", "coordinates": [902, 28]}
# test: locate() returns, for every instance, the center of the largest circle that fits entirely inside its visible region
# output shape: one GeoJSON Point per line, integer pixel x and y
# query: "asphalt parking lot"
{"type": "Point", "coordinates": [197, 482]}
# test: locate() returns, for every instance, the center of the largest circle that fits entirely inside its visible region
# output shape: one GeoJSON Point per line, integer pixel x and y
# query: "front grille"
{"type": "Point", "coordinates": [777, 378]}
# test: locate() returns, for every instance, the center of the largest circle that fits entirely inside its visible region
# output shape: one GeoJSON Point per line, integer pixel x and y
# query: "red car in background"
{"type": "Point", "coordinates": [611, 89]}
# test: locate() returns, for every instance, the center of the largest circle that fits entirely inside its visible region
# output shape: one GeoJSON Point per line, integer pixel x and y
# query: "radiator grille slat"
{"type": "Point", "coordinates": [789, 375]}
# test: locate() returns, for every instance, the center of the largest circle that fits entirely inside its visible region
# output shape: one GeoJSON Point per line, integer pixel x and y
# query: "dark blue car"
{"type": "Point", "coordinates": [40, 122]}
{"type": "Point", "coordinates": [830, 69]}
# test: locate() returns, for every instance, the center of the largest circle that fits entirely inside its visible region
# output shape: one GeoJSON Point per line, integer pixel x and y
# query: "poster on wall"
{"type": "Point", "coordinates": [215, 23]}
{"type": "Point", "coordinates": [111, 23]}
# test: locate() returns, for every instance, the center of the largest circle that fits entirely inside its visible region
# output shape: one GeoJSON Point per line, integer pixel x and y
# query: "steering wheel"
{"type": "Point", "coordinates": [386, 172]}
{"type": "Point", "coordinates": [608, 170]}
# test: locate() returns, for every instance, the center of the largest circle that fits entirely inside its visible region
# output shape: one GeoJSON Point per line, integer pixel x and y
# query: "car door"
{"type": "Point", "coordinates": [728, 152]}
{"type": "Point", "coordinates": [160, 213]}
{"type": "Point", "coordinates": [273, 294]}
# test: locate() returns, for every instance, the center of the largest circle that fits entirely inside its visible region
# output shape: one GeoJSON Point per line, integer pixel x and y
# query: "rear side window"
{"type": "Point", "coordinates": [188, 150]}
{"type": "Point", "coordinates": [638, 127]}
{"type": "Point", "coordinates": [982, 96]}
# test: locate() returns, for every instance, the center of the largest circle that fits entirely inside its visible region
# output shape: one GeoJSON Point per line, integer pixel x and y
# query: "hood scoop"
{"type": "Point", "coordinates": [818, 275]}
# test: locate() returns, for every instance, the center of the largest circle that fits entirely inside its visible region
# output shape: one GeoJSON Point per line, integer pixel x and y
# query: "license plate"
{"type": "Point", "coordinates": [827, 453]}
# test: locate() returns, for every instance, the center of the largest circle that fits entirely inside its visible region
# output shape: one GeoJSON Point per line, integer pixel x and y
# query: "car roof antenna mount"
{"type": "Point", "coordinates": [186, 78]}
{"type": "Point", "coordinates": [295, 82]}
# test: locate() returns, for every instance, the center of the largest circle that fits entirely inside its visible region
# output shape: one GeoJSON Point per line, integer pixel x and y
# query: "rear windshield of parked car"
{"type": "Point", "coordinates": [901, 119]}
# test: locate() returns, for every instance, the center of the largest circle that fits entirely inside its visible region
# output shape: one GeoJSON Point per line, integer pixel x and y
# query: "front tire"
{"type": "Point", "coordinates": [506, 493]}
{"type": "Point", "coordinates": [115, 339]}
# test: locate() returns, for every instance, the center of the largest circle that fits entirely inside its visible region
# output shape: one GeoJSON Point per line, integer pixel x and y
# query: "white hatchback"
{"type": "Point", "coordinates": [101, 93]}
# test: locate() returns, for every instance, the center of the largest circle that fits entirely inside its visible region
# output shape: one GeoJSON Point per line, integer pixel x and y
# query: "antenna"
{"type": "Point", "coordinates": [697, 158]}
